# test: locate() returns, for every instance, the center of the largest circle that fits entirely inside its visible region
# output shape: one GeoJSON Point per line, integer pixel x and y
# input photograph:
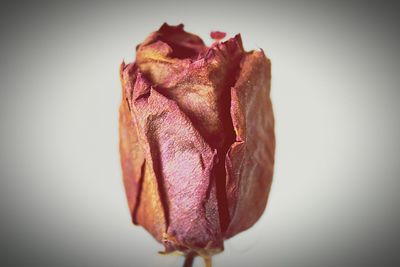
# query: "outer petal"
{"type": "Point", "coordinates": [250, 160]}
{"type": "Point", "coordinates": [132, 156]}
{"type": "Point", "coordinates": [139, 178]}
{"type": "Point", "coordinates": [183, 164]}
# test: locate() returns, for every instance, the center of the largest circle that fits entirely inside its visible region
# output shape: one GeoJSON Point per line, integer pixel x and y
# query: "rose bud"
{"type": "Point", "coordinates": [197, 139]}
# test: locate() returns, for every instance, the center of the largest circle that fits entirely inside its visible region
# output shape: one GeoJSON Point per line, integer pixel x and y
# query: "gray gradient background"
{"type": "Point", "coordinates": [334, 200]}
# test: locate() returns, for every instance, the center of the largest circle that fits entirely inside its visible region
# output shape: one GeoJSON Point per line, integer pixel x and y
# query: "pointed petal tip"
{"type": "Point", "coordinates": [165, 27]}
{"type": "Point", "coordinates": [121, 68]}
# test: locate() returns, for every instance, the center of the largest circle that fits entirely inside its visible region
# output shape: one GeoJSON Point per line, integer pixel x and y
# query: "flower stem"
{"type": "Point", "coordinates": [189, 258]}
{"type": "Point", "coordinates": [207, 261]}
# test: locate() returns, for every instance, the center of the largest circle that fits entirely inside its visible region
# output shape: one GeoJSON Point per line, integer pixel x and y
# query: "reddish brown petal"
{"type": "Point", "coordinates": [139, 178]}
{"type": "Point", "coordinates": [183, 163]}
{"type": "Point", "coordinates": [217, 35]}
{"type": "Point", "coordinates": [132, 157]}
{"type": "Point", "coordinates": [250, 160]}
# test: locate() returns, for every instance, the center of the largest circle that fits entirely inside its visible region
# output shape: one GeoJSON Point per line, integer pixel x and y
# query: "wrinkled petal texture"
{"type": "Point", "coordinates": [140, 181]}
{"type": "Point", "coordinates": [250, 160]}
{"type": "Point", "coordinates": [199, 84]}
{"type": "Point", "coordinates": [196, 139]}
{"type": "Point", "coordinates": [182, 162]}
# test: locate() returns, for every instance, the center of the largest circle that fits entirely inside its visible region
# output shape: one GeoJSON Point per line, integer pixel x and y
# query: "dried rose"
{"type": "Point", "coordinates": [196, 139]}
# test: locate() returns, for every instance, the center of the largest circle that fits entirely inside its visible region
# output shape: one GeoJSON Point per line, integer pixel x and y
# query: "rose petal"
{"type": "Point", "coordinates": [249, 162]}
{"type": "Point", "coordinates": [132, 156]}
{"type": "Point", "coordinates": [217, 35]}
{"type": "Point", "coordinates": [139, 178]}
{"type": "Point", "coordinates": [187, 191]}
